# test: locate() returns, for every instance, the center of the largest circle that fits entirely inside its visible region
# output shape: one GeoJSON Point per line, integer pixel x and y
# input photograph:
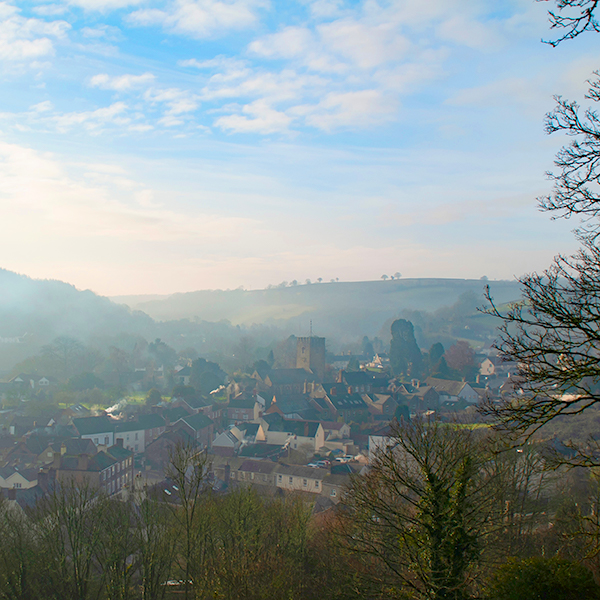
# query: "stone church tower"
{"type": "Point", "coordinates": [310, 354]}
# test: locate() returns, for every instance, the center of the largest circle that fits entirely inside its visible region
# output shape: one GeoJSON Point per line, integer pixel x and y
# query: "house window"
{"type": "Point", "coordinates": [96, 441]}
{"type": "Point", "coordinates": [106, 440]}
{"type": "Point", "coordinates": [280, 478]}
{"type": "Point", "coordinates": [316, 485]}
{"type": "Point", "coordinates": [17, 486]}
{"type": "Point", "coordinates": [291, 480]}
{"type": "Point", "coordinates": [264, 477]}
{"type": "Point", "coordinates": [136, 436]}
{"type": "Point", "coordinates": [305, 482]}
{"type": "Point", "coordinates": [246, 417]}
{"type": "Point", "coordinates": [251, 475]}
{"type": "Point", "coordinates": [333, 493]}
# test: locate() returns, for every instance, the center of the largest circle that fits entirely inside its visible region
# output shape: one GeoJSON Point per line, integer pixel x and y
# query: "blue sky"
{"type": "Point", "coordinates": [152, 146]}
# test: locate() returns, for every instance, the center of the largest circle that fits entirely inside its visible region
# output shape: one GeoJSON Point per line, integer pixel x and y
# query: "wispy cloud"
{"type": "Point", "coordinates": [121, 83]}
{"type": "Point", "coordinates": [201, 18]}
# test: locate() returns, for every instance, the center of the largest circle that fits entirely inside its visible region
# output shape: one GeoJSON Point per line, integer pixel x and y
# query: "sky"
{"type": "Point", "coordinates": [160, 146]}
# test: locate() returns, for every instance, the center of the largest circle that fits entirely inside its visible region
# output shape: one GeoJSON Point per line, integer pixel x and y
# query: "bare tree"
{"type": "Point", "coordinates": [67, 526]}
{"type": "Point", "coordinates": [156, 544]}
{"type": "Point", "coordinates": [423, 508]}
{"type": "Point", "coordinates": [553, 334]}
{"type": "Point", "coordinates": [578, 21]}
{"type": "Point", "coordinates": [188, 471]}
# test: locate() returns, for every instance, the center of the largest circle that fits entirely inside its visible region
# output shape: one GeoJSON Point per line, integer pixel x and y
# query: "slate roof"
{"type": "Point", "coordinates": [243, 402]}
{"type": "Point", "coordinates": [290, 376]}
{"type": "Point", "coordinates": [291, 403]}
{"type": "Point", "coordinates": [453, 388]}
{"type": "Point", "coordinates": [29, 474]}
{"type": "Point", "coordinates": [92, 425]}
{"type": "Point", "coordinates": [142, 423]}
{"type": "Point", "coordinates": [174, 414]}
{"type": "Point", "coordinates": [260, 450]}
{"type": "Point", "coordinates": [197, 402]}
{"type": "Point", "coordinates": [118, 452]}
{"type": "Point", "coordinates": [198, 422]}
{"type": "Point", "coordinates": [257, 466]}
{"type": "Point", "coordinates": [300, 471]}
{"type": "Point", "coordinates": [348, 402]}
{"type": "Point", "coordinates": [250, 429]}
{"type": "Point", "coordinates": [301, 428]}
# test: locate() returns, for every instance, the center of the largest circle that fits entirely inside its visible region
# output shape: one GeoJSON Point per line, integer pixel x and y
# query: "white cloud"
{"type": "Point", "coordinates": [276, 87]}
{"type": "Point", "coordinates": [324, 8]}
{"type": "Point", "coordinates": [101, 31]}
{"type": "Point", "coordinates": [178, 102]}
{"type": "Point", "coordinates": [24, 39]}
{"type": "Point", "coordinates": [469, 32]}
{"type": "Point", "coordinates": [353, 110]}
{"type": "Point", "coordinates": [49, 10]}
{"type": "Point", "coordinates": [121, 83]}
{"type": "Point", "coordinates": [261, 118]}
{"type": "Point", "coordinates": [41, 107]}
{"type": "Point", "coordinates": [93, 120]}
{"type": "Point", "coordinates": [201, 18]}
{"type": "Point", "coordinates": [365, 46]}
{"type": "Point", "coordinates": [103, 5]}
{"type": "Point", "coordinates": [291, 42]}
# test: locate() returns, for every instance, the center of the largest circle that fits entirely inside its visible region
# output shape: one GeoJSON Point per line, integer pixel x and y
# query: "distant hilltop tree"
{"type": "Point", "coordinates": [384, 277]}
{"type": "Point", "coordinates": [397, 275]}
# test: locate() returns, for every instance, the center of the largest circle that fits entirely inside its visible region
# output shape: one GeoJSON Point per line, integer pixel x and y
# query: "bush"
{"type": "Point", "coordinates": [543, 579]}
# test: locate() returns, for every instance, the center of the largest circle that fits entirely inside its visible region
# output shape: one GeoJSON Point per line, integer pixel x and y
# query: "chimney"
{"type": "Point", "coordinates": [63, 449]}
{"type": "Point", "coordinates": [82, 462]}
{"type": "Point", "coordinates": [43, 479]}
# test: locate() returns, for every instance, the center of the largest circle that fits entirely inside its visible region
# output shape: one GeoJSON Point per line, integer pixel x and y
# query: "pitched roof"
{"type": "Point", "coordinates": [242, 402]}
{"type": "Point", "coordinates": [447, 386]}
{"type": "Point", "coordinates": [197, 421]}
{"type": "Point", "coordinates": [174, 414]}
{"type": "Point", "coordinates": [250, 429]}
{"type": "Point", "coordinates": [28, 474]}
{"type": "Point", "coordinates": [143, 422]}
{"type": "Point", "coordinates": [301, 428]}
{"type": "Point", "coordinates": [290, 376]}
{"type": "Point", "coordinates": [348, 402]}
{"type": "Point", "coordinates": [300, 471]}
{"type": "Point", "coordinates": [117, 451]}
{"type": "Point", "coordinates": [257, 466]}
{"type": "Point", "coordinates": [92, 425]}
